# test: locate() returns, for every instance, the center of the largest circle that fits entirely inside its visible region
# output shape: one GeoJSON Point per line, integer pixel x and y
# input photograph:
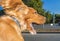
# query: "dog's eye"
{"type": "Point", "coordinates": [35, 12]}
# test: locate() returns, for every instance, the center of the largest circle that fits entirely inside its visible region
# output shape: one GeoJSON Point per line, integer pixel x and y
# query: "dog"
{"type": "Point", "coordinates": [20, 11]}
{"type": "Point", "coordinates": [7, 21]}
{"type": "Point", "coordinates": [8, 24]}
{"type": "Point", "coordinates": [25, 17]}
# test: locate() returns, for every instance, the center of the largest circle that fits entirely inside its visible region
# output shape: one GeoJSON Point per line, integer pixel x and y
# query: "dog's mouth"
{"type": "Point", "coordinates": [35, 23]}
{"type": "Point", "coordinates": [33, 31]}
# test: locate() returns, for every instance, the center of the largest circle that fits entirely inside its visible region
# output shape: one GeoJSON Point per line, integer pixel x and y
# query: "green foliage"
{"type": "Point", "coordinates": [57, 18]}
{"type": "Point", "coordinates": [36, 4]}
{"type": "Point", "coordinates": [48, 16]}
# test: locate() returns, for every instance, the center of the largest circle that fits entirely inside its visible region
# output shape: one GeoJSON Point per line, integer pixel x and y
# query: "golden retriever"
{"type": "Point", "coordinates": [17, 10]}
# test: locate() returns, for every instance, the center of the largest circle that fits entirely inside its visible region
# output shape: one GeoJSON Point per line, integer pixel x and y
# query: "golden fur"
{"type": "Point", "coordinates": [24, 14]}
{"type": "Point", "coordinates": [9, 31]}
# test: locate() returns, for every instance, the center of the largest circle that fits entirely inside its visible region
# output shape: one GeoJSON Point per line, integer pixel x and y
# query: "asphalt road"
{"type": "Point", "coordinates": [42, 37]}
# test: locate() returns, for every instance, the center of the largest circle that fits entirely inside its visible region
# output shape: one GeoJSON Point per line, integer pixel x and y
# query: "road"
{"type": "Point", "coordinates": [42, 37]}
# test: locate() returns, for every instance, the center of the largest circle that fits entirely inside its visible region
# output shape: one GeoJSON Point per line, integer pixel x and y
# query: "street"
{"type": "Point", "coordinates": [42, 37]}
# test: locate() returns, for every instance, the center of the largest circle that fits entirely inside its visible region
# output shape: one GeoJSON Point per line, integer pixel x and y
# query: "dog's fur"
{"type": "Point", "coordinates": [25, 15]}
{"type": "Point", "coordinates": [9, 31]}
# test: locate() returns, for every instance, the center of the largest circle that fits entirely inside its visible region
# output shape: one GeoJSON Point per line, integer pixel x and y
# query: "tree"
{"type": "Point", "coordinates": [49, 17]}
{"type": "Point", "coordinates": [36, 4]}
{"type": "Point", "coordinates": [57, 18]}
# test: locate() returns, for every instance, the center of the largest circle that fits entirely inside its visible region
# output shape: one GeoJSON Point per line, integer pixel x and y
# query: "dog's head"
{"type": "Point", "coordinates": [34, 17]}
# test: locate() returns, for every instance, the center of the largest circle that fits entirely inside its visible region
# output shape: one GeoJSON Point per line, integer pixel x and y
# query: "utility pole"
{"type": "Point", "coordinates": [44, 24]}
{"type": "Point", "coordinates": [53, 19]}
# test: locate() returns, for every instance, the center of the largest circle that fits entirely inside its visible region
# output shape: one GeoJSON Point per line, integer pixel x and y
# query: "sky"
{"type": "Point", "coordinates": [52, 5]}
{"type": "Point", "coordinates": [0, 8]}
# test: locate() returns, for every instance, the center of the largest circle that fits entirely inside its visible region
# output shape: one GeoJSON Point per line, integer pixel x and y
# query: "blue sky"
{"type": "Point", "coordinates": [0, 8]}
{"type": "Point", "coordinates": [52, 5]}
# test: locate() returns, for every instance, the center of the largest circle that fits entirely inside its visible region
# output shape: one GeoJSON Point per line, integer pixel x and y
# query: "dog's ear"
{"type": "Point", "coordinates": [13, 3]}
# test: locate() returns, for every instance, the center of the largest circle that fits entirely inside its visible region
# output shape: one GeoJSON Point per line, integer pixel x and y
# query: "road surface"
{"type": "Point", "coordinates": [42, 37]}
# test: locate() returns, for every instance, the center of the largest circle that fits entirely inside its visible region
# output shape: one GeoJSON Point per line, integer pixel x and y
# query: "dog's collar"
{"type": "Point", "coordinates": [15, 20]}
